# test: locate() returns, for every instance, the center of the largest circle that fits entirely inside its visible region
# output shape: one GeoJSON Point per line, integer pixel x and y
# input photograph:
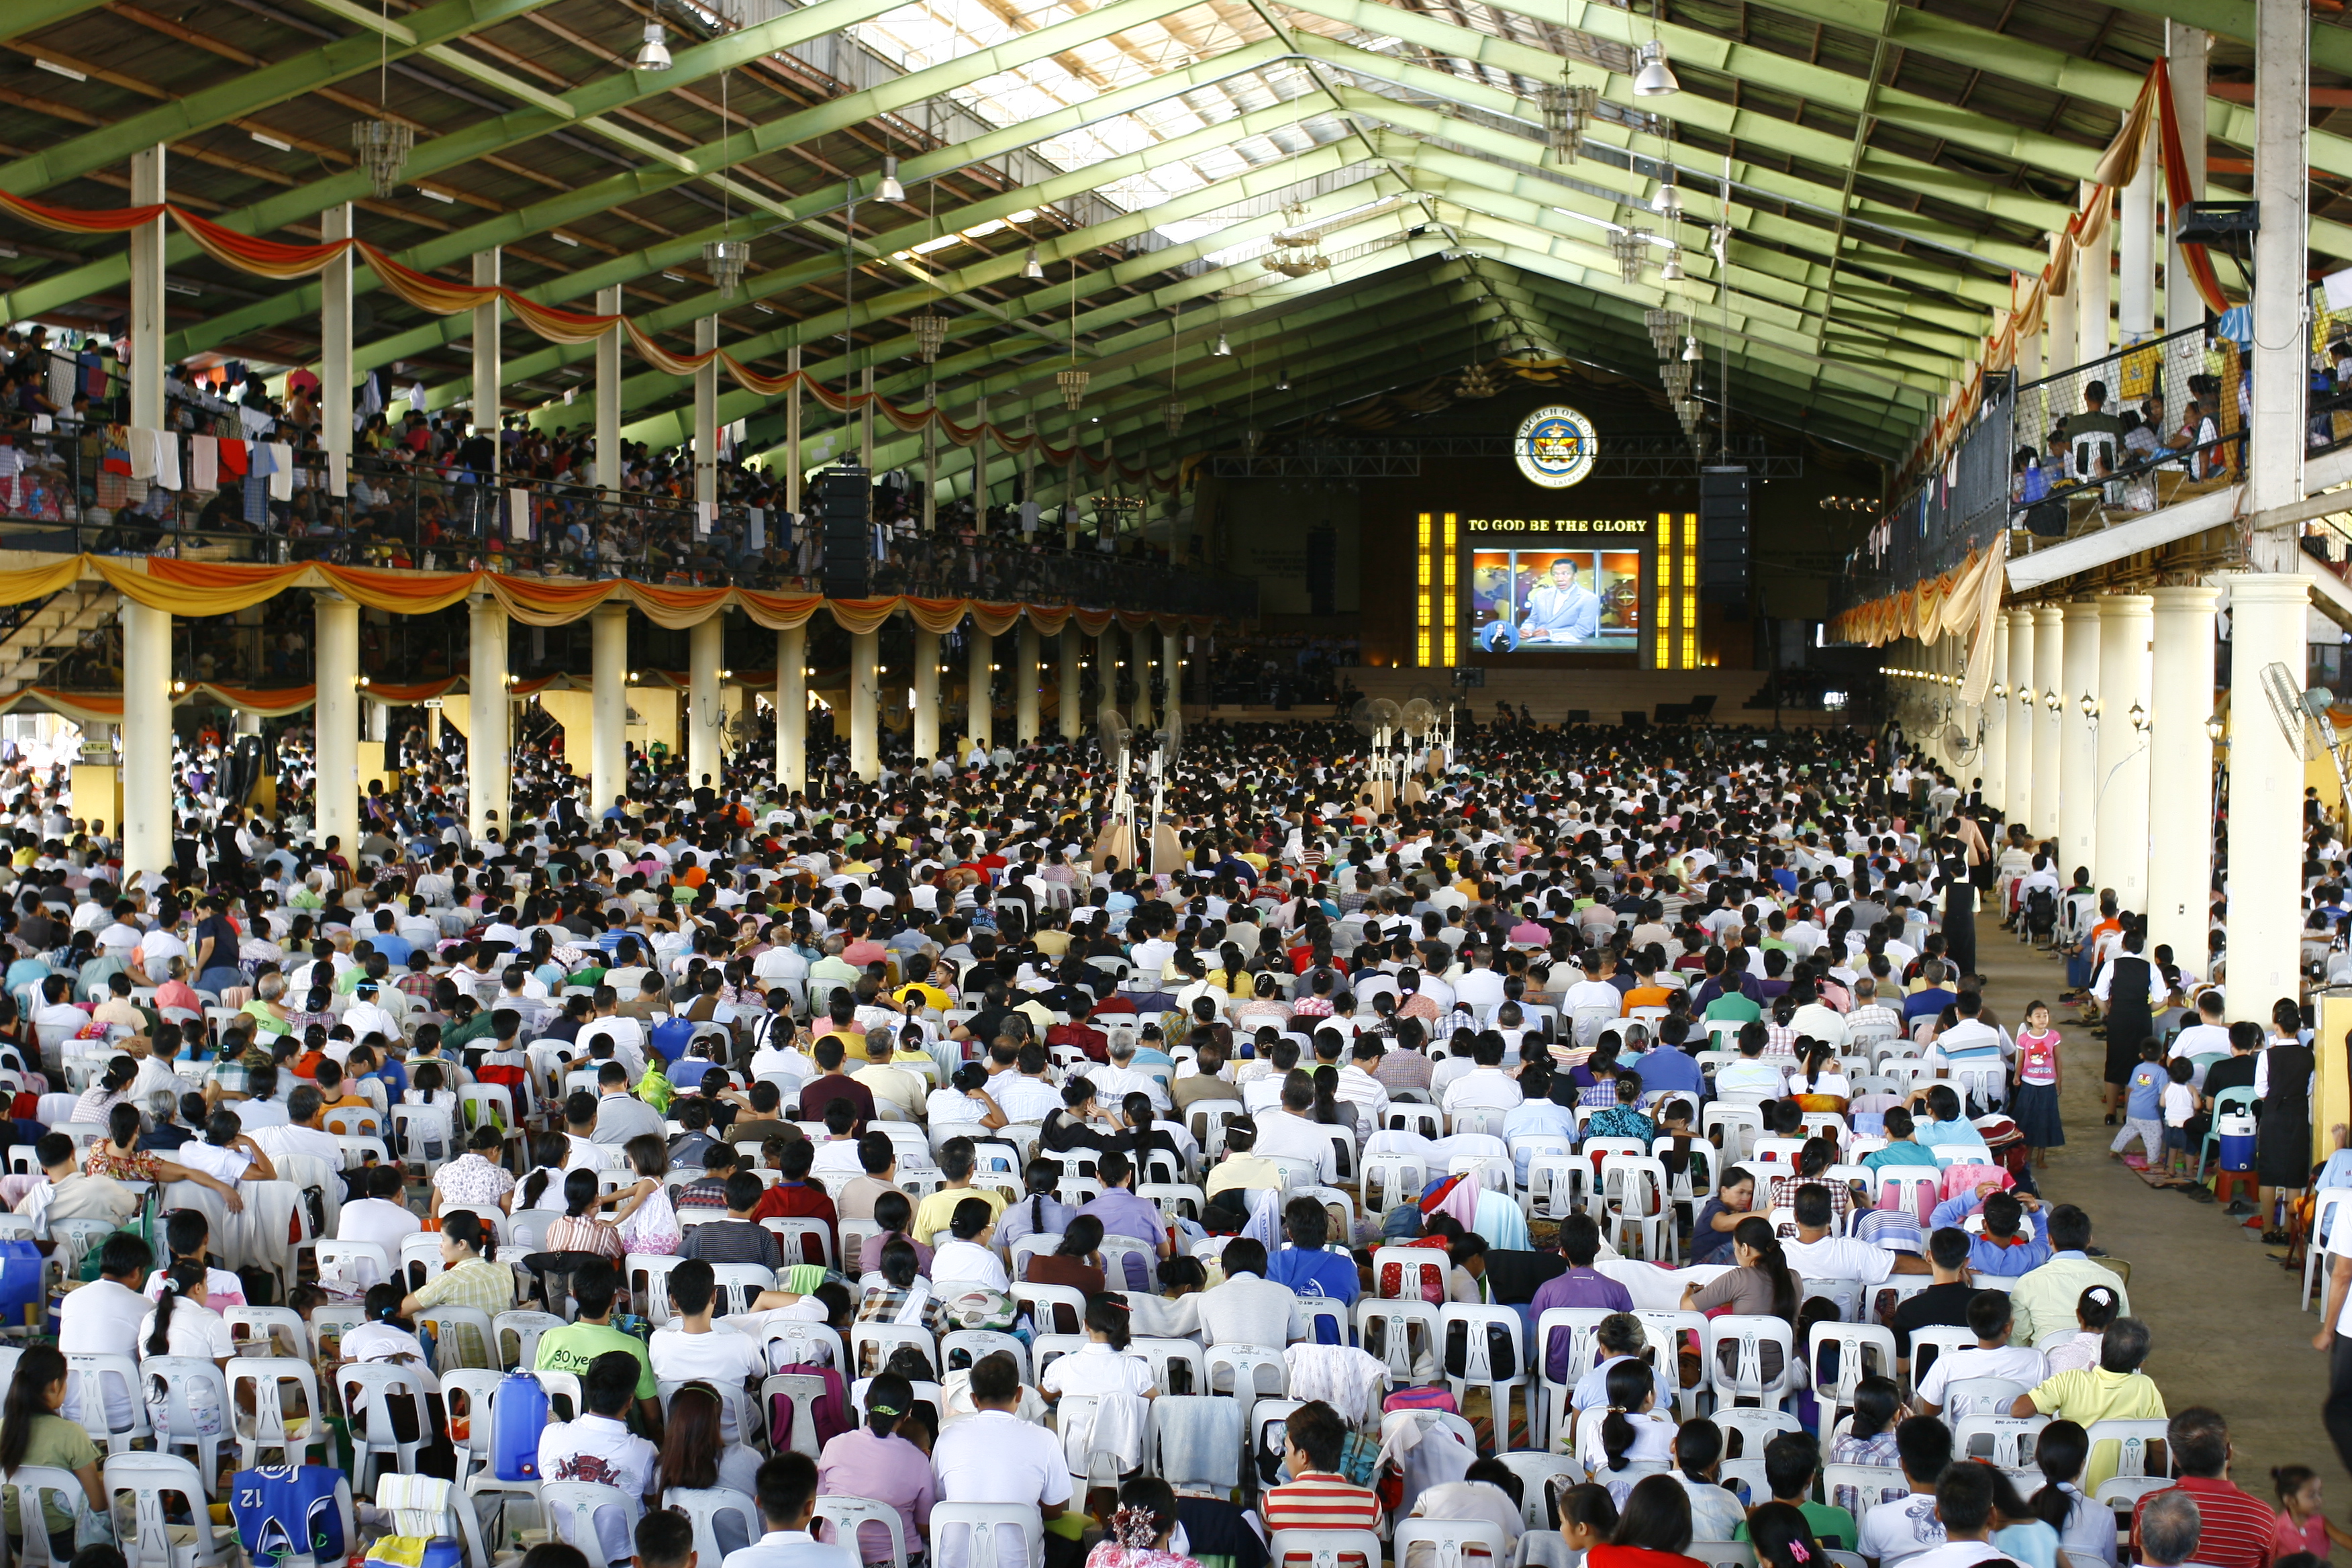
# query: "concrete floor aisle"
{"type": "Point", "coordinates": [2227, 1333]}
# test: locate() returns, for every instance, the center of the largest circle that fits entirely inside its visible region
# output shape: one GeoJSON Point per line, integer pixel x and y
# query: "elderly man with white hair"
{"type": "Point", "coordinates": [1123, 1078]}
{"type": "Point", "coordinates": [2169, 1529]}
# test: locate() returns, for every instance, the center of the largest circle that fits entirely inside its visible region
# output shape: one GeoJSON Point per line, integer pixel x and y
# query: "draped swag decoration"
{"type": "Point", "coordinates": [1963, 601]}
{"type": "Point", "coordinates": [197, 588]}
{"type": "Point", "coordinates": [283, 263]}
{"type": "Point", "coordinates": [2151, 115]}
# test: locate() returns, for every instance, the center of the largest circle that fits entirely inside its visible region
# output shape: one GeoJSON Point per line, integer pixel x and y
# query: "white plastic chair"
{"type": "Point", "coordinates": [1391, 1324]}
{"type": "Point", "coordinates": [271, 1326]}
{"type": "Point", "coordinates": [847, 1517]}
{"type": "Point", "coordinates": [267, 1427]}
{"type": "Point", "coordinates": [2135, 1438]}
{"type": "Point", "coordinates": [32, 1484]}
{"type": "Point", "coordinates": [1634, 1196]}
{"type": "Point", "coordinates": [187, 1382]}
{"type": "Point", "coordinates": [1477, 1366]}
{"type": "Point", "coordinates": [572, 1510]}
{"type": "Point", "coordinates": [982, 1525]}
{"type": "Point", "coordinates": [1390, 1179]}
{"type": "Point", "coordinates": [527, 1327]}
{"type": "Point", "coordinates": [1418, 1269]}
{"type": "Point", "coordinates": [368, 1389]}
{"type": "Point", "coordinates": [86, 1376]}
{"type": "Point", "coordinates": [2007, 1440]}
{"type": "Point", "coordinates": [465, 1396]}
{"type": "Point", "coordinates": [1319, 1548]}
{"type": "Point", "coordinates": [1744, 1379]}
{"type": "Point", "coordinates": [1856, 1344]}
{"type": "Point", "coordinates": [1927, 1343]}
{"type": "Point", "coordinates": [155, 1542]}
{"type": "Point", "coordinates": [1450, 1540]}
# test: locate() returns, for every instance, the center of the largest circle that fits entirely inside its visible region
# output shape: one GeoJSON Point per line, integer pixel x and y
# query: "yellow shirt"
{"type": "Point", "coordinates": [936, 1211]}
{"type": "Point", "coordinates": [2093, 1394]}
{"type": "Point", "coordinates": [853, 1043]}
{"type": "Point", "coordinates": [930, 995]}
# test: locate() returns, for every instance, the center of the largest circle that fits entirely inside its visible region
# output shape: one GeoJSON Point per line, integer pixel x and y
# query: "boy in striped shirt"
{"type": "Point", "coordinates": [1317, 1497]}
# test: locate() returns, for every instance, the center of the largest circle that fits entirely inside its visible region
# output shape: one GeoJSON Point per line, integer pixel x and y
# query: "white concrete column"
{"type": "Point", "coordinates": [1027, 673]}
{"type": "Point", "coordinates": [2078, 787]}
{"type": "Point", "coordinates": [978, 681]}
{"type": "Point", "coordinates": [488, 777]}
{"type": "Point", "coordinates": [793, 437]}
{"type": "Point", "coordinates": [147, 188]}
{"type": "Point", "coordinates": [335, 629]}
{"type": "Point", "coordinates": [608, 403]}
{"type": "Point", "coordinates": [1993, 719]}
{"type": "Point", "coordinates": [2264, 879]}
{"type": "Point", "coordinates": [792, 707]}
{"type": "Point", "coordinates": [2274, 445]}
{"type": "Point", "coordinates": [865, 705]}
{"type": "Point", "coordinates": [608, 706]}
{"type": "Point", "coordinates": [2120, 795]}
{"type": "Point", "coordinates": [927, 695]}
{"type": "Point", "coordinates": [2180, 789]}
{"type": "Point", "coordinates": [706, 748]}
{"type": "Point", "coordinates": [706, 418]}
{"type": "Point", "coordinates": [335, 342]}
{"type": "Point", "coordinates": [2024, 702]}
{"type": "Point", "coordinates": [487, 400]}
{"type": "Point", "coordinates": [2049, 676]}
{"type": "Point", "coordinates": [1073, 718]}
{"type": "Point", "coordinates": [2135, 255]}
{"type": "Point", "coordinates": [146, 740]}
{"type": "Point", "coordinates": [2185, 49]}
{"type": "Point", "coordinates": [2096, 269]}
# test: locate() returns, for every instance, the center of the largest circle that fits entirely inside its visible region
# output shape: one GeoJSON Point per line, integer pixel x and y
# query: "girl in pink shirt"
{"type": "Point", "coordinates": [2301, 1527]}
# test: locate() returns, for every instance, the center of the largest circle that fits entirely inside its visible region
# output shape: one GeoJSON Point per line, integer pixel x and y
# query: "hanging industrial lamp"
{"type": "Point", "coordinates": [890, 189]}
{"type": "Point", "coordinates": [653, 55]}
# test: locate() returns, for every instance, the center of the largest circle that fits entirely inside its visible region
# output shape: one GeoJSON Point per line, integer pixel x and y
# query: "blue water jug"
{"type": "Point", "coordinates": [20, 1281]}
{"type": "Point", "coordinates": [518, 1414]}
{"type": "Point", "coordinates": [2237, 1139]}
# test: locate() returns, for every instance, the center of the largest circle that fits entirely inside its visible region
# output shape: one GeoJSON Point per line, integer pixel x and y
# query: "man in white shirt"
{"type": "Point", "coordinates": [1486, 1086]}
{"type": "Point", "coordinates": [1815, 1254]}
{"type": "Point", "coordinates": [1964, 1509]}
{"type": "Point", "coordinates": [380, 1218]}
{"type": "Point", "coordinates": [1994, 1356]}
{"type": "Point", "coordinates": [102, 1318]}
{"type": "Point", "coordinates": [366, 1016]}
{"type": "Point", "coordinates": [1289, 1133]}
{"type": "Point", "coordinates": [993, 1457]}
{"type": "Point", "coordinates": [1357, 1085]}
{"type": "Point", "coordinates": [1482, 984]}
{"type": "Point", "coordinates": [599, 1446]}
{"type": "Point", "coordinates": [1122, 1077]}
{"type": "Point", "coordinates": [1593, 991]}
{"type": "Point", "coordinates": [690, 1348]}
{"type": "Point", "coordinates": [788, 1488]}
{"type": "Point", "coordinates": [1249, 1308]}
{"type": "Point", "coordinates": [2206, 1037]}
{"type": "Point", "coordinates": [303, 1133]}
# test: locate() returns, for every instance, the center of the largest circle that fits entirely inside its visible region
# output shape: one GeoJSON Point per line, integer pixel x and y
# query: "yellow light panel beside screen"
{"type": "Point", "coordinates": [1426, 617]}
{"type": "Point", "coordinates": [1662, 638]}
{"type": "Point", "coordinates": [1449, 648]}
{"type": "Point", "coordinates": [1690, 590]}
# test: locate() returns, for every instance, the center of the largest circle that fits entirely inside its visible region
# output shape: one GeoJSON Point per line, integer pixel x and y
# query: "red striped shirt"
{"type": "Point", "coordinates": [1321, 1501]}
{"type": "Point", "coordinates": [2235, 1529]}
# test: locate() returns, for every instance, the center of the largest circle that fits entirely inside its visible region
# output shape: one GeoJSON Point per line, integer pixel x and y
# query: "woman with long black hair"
{"type": "Point", "coordinates": [1762, 1284]}
{"type": "Point", "coordinates": [695, 1456]}
{"type": "Point", "coordinates": [33, 1432]}
{"type": "Point", "coordinates": [882, 1461]}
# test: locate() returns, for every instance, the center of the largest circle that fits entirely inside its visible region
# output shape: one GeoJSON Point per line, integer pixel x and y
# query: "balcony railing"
{"type": "Point", "coordinates": [67, 489]}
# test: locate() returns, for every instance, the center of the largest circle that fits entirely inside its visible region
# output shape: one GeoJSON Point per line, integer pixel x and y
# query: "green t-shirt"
{"type": "Point", "coordinates": [1730, 1005]}
{"type": "Point", "coordinates": [573, 1347]}
{"type": "Point", "coordinates": [1833, 1526]}
{"type": "Point", "coordinates": [65, 1445]}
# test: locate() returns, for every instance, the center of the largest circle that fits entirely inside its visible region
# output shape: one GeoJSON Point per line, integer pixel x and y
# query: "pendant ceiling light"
{"type": "Point", "coordinates": [1223, 349]}
{"type": "Point", "coordinates": [1656, 78]}
{"type": "Point", "coordinates": [1033, 269]}
{"type": "Point", "coordinates": [653, 55]}
{"type": "Point", "coordinates": [890, 189]}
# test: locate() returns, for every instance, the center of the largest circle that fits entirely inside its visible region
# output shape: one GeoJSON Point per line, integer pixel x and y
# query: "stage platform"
{"type": "Point", "coordinates": [1600, 697]}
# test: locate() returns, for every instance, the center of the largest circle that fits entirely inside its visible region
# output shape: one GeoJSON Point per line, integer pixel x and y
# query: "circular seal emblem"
{"type": "Point", "coordinates": [1554, 446]}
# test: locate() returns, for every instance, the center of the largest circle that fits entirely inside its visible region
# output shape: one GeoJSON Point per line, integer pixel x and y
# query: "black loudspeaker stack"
{"type": "Point", "coordinates": [1723, 535]}
{"type": "Point", "coordinates": [845, 499]}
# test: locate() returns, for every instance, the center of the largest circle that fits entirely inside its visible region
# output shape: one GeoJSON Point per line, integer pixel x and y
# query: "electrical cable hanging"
{"type": "Point", "coordinates": [1171, 413]}
{"type": "Point", "coordinates": [1073, 380]}
{"type": "Point", "coordinates": [726, 258]}
{"type": "Point", "coordinates": [931, 328]}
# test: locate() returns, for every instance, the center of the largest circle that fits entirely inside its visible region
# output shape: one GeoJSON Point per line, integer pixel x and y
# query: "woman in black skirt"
{"type": "Point", "coordinates": [2282, 1093]}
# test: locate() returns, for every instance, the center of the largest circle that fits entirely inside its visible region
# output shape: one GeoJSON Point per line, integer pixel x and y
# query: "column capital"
{"type": "Point", "coordinates": [2268, 587]}
{"type": "Point", "coordinates": [2048, 614]}
{"type": "Point", "coordinates": [2080, 610]}
{"type": "Point", "coordinates": [2124, 606]}
{"type": "Point", "coordinates": [2196, 597]}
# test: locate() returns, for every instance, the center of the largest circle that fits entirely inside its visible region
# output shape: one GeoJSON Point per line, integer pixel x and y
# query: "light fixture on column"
{"type": "Point", "coordinates": [2052, 698]}
{"type": "Point", "coordinates": [2000, 692]}
{"type": "Point", "coordinates": [2089, 705]}
{"type": "Point", "coordinates": [1656, 78]}
{"type": "Point", "coordinates": [890, 189]}
{"type": "Point", "coordinates": [2139, 719]}
{"type": "Point", "coordinates": [2215, 728]}
{"type": "Point", "coordinates": [1033, 269]}
{"type": "Point", "coordinates": [653, 55]}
